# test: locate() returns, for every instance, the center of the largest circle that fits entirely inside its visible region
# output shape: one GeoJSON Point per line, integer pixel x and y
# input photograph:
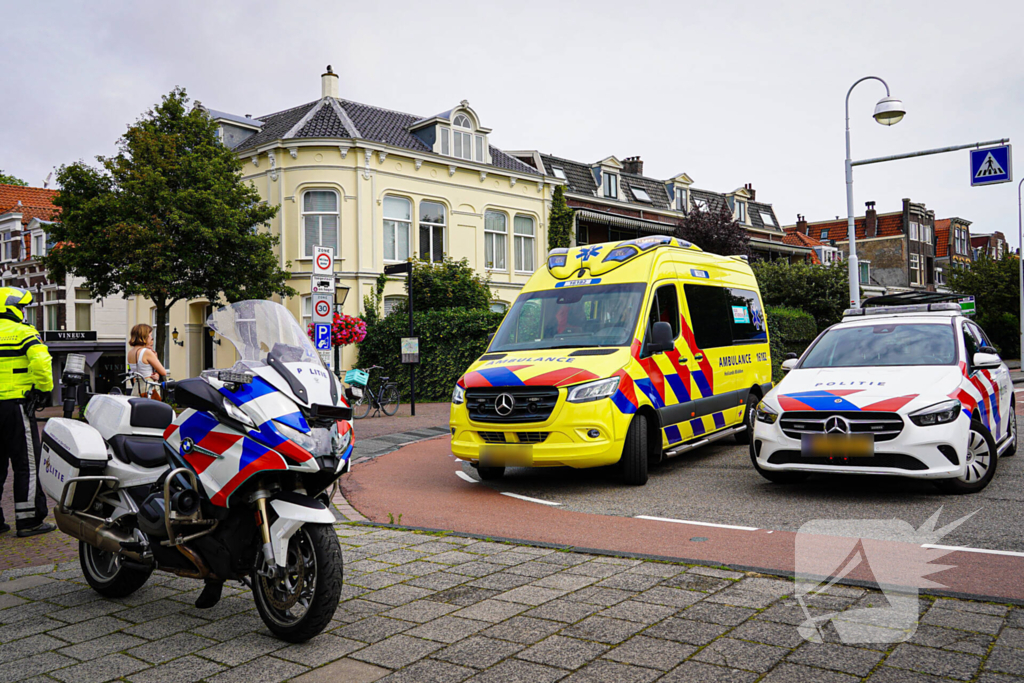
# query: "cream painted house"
{"type": "Point", "coordinates": [380, 187]}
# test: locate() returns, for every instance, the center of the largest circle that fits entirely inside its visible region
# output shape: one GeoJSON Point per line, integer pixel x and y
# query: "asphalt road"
{"type": "Point", "coordinates": [717, 484]}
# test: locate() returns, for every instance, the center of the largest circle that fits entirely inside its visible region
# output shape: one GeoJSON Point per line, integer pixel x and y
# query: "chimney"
{"type": "Point", "coordinates": [329, 83]}
{"type": "Point", "coordinates": [801, 225]}
{"type": "Point", "coordinates": [633, 165]}
{"type": "Point", "coordinates": [870, 220]}
{"type": "Point", "coordinates": [749, 187]}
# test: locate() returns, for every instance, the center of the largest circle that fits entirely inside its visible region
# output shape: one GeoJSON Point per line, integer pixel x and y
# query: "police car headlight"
{"type": "Point", "coordinates": [938, 414]}
{"type": "Point", "coordinates": [764, 413]}
{"type": "Point", "coordinates": [459, 395]}
{"type": "Point", "coordinates": [593, 391]}
{"type": "Point", "coordinates": [236, 413]}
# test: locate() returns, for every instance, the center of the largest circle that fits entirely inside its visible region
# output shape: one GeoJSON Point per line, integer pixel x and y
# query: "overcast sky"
{"type": "Point", "coordinates": [731, 93]}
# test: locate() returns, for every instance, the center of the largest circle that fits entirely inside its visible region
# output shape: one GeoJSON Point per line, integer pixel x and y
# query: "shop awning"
{"type": "Point", "coordinates": [617, 221]}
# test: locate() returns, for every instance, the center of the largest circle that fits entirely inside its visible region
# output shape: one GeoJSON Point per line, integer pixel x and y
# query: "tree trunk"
{"type": "Point", "coordinates": [161, 330]}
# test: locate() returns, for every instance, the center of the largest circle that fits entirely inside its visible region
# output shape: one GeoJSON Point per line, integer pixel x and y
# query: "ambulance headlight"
{"type": "Point", "coordinates": [459, 395]}
{"type": "Point", "coordinates": [593, 391]}
{"type": "Point", "coordinates": [938, 414]}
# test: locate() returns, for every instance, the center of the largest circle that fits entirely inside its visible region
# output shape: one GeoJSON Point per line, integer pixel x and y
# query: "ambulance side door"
{"type": "Point", "coordinates": [715, 366]}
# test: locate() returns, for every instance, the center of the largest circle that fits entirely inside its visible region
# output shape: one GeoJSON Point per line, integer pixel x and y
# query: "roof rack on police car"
{"type": "Point", "coordinates": [944, 307]}
{"type": "Point", "coordinates": [909, 298]}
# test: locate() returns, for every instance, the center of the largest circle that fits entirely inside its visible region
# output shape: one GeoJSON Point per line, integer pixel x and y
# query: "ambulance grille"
{"type": "Point", "coordinates": [884, 426]}
{"type": "Point", "coordinates": [493, 437]}
{"type": "Point", "coordinates": [532, 437]}
{"type": "Point", "coordinates": [530, 404]}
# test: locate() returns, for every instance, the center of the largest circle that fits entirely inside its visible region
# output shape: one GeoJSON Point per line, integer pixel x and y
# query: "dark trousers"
{"type": "Point", "coordinates": [19, 446]}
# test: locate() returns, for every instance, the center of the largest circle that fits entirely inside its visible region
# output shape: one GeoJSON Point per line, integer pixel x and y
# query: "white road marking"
{"type": "Point", "coordinates": [465, 477]}
{"type": "Point", "coordinates": [686, 521]}
{"type": "Point", "coordinates": [973, 550]}
{"type": "Point", "coordinates": [528, 499]}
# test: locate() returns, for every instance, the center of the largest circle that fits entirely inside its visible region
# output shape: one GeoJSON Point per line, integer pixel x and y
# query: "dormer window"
{"type": "Point", "coordinates": [610, 185]}
{"type": "Point", "coordinates": [681, 204]}
{"type": "Point", "coordinates": [559, 172]}
{"type": "Point", "coordinates": [741, 211]}
{"type": "Point", "coordinates": [640, 194]}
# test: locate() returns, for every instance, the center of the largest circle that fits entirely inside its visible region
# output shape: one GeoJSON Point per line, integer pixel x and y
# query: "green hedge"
{"type": "Point", "coordinates": [791, 330]}
{"type": "Point", "coordinates": [450, 340]}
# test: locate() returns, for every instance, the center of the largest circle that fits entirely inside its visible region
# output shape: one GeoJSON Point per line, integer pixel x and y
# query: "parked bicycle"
{"type": "Point", "coordinates": [384, 398]}
{"type": "Point", "coordinates": [131, 377]}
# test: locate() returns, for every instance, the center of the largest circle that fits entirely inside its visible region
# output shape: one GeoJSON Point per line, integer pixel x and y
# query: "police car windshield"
{"type": "Point", "coordinates": [884, 344]}
{"type": "Point", "coordinates": [571, 317]}
{"type": "Point", "coordinates": [255, 327]}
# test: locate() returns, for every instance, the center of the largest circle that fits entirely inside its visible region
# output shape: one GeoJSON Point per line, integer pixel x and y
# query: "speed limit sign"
{"type": "Point", "coordinates": [323, 309]}
{"type": "Point", "coordinates": [323, 260]}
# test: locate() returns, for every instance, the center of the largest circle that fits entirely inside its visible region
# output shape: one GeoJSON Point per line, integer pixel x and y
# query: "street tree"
{"type": "Point", "coordinates": [715, 231]}
{"type": "Point", "coordinates": [7, 179]}
{"type": "Point", "coordinates": [560, 220]}
{"type": "Point", "coordinates": [995, 285]}
{"type": "Point", "coordinates": [820, 290]}
{"type": "Point", "coordinates": [168, 218]}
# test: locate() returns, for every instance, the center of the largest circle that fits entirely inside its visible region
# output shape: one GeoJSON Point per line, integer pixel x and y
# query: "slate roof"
{"type": "Point", "coordinates": [577, 175]}
{"type": "Point", "coordinates": [712, 200]}
{"type": "Point", "coordinates": [656, 190]}
{"type": "Point", "coordinates": [889, 225]}
{"type": "Point", "coordinates": [370, 123]}
{"type": "Point", "coordinates": [35, 202]}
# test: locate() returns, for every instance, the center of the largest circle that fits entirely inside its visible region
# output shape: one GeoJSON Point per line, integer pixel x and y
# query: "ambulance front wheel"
{"type": "Point", "coordinates": [633, 463]}
{"type": "Point", "coordinates": [748, 419]}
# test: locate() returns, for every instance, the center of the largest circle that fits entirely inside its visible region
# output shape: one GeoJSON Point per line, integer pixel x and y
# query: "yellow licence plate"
{"type": "Point", "coordinates": [837, 446]}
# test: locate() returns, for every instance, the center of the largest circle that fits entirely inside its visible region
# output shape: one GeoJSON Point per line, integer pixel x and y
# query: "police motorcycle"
{"type": "Point", "coordinates": [234, 488]}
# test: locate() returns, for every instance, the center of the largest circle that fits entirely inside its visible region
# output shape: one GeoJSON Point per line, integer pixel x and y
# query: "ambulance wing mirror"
{"type": "Point", "coordinates": [661, 338]}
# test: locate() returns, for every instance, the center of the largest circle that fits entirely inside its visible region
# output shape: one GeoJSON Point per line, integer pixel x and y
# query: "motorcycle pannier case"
{"type": "Point", "coordinates": [71, 449]}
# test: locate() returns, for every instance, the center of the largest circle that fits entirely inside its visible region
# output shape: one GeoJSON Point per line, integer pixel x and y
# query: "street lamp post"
{"type": "Point", "coordinates": [888, 112]}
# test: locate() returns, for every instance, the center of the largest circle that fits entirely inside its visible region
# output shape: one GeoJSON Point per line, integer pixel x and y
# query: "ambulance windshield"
{"type": "Point", "coordinates": [571, 317]}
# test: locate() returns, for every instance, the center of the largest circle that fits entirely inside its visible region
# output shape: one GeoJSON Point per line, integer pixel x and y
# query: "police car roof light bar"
{"type": "Point", "coordinates": [894, 310]}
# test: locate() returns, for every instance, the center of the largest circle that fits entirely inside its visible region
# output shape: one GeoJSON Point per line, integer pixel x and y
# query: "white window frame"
{"type": "Point", "coordinates": [865, 265]}
{"type": "Point", "coordinates": [492, 240]}
{"type": "Point", "coordinates": [740, 211]}
{"type": "Point", "coordinates": [391, 302]}
{"type": "Point", "coordinates": [498, 306]}
{"type": "Point", "coordinates": [304, 248]}
{"type": "Point", "coordinates": [393, 256]}
{"type": "Point", "coordinates": [87, 302]}
{"type": "Point", "coordinates": [610, 185]}
{"type": "Point", "coordinates": [446, 141]}
{"type": "Point", "coordinates": [306, 311]}
{"type": "Point", "coordinates": [681, 196]}
{"type": "Point", "coordinates": [523, 244]}
{"type": "Point", "coordinates": [634, 189]}
{"type": "Point", "coordinates": [558, 172]}
{"type": "Point", "coordinates": [431, 226]}
{"type": "Point", "coordinates": [40, 251]}
{"type": "Point", "coordinates": [462, 136]}
{"type": "Point", "coordinates": [768, 220]}
{"type": "Point", "coordinates": [915, 269]}
{"type": "Point", "coordinates": [914, 232]}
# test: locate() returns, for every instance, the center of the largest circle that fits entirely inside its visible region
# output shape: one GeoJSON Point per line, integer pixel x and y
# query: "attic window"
{"type": "Point", "coordinates": [700, 204]}
{"type": "Point", "coordinates": [640, 194]}
{"type": "Point", "coordinates": [610, 186]}
{"type": "Point", "coordinates": [559, 173]}
{"type": "Point", "coordinates": [824, 234]}
{"type": "Point", "coordinates": [464, 142]}
{"type": "Point", "coordinates": [681, 199]}
{"type": "Point", "coordinates": [767, 219]}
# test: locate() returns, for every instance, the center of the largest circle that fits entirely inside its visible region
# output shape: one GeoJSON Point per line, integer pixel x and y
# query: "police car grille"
{"type": "Point", "coordinates": [884, 426]}
{"type": "Point", "coordinates": [532, 404]}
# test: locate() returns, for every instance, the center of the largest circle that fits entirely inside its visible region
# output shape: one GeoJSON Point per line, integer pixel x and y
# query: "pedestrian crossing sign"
{"type": "Point", "coordinates": [991, 165]}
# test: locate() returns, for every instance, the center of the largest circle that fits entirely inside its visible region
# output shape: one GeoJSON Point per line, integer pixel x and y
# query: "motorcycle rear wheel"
{"type": "Point", "coordinates": [300, 605]}
{"type": "Point", "coordinates": [107, 575]}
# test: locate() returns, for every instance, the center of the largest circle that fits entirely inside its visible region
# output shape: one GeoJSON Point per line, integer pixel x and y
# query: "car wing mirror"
{"type": "Point", "coordinates": [789, 364]}
{"type": "Point", "coordinates": [661, 338]}
{"type": "Point", "coordinates": [791, 356]}
{"type": "Point", "coordinates": [984, 359]}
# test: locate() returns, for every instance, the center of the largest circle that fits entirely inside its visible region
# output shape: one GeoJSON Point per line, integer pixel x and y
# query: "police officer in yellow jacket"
{"type": "Point", "coordinates": [25, 373]}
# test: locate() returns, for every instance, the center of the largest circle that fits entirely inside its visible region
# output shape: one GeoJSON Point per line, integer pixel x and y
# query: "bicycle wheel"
{"type": "Point", "coordinates": [361, 408]}
{"type": "Point", "coordinates": [390, 400]}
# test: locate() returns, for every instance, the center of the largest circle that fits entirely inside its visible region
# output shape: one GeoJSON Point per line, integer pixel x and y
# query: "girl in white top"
{"type": "Point", "coordinates": [142, 358]}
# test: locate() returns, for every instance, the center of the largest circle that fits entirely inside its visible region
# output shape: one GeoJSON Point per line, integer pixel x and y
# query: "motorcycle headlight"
{"type": "Point", "coordinates": [764, 413]}
{"type": "Point", "coordinates": [236, 413]}
{"type": "Point", "coordinates": [459, 395]}
{"type": "Point", "coordinates": [341, 442]}
{"type": "Point", "coordinates": [307, 441]}
{"type": "Point", "coordinates": [938, 414]}
{"type": "Point", "coordinates": [593, 391]}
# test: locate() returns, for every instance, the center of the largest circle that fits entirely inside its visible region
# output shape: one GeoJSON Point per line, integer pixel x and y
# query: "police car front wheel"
{"type": "Point", "coordinates": [981, 463]}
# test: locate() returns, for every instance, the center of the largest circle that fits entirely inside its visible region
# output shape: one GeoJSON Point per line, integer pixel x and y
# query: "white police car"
{"type": "Point", "coordinates": [914, 391]}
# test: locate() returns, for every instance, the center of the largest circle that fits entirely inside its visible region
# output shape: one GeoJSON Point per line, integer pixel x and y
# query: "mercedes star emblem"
{"type": "Point", "coordinates": [504, 404]}
{"type": "Point", "coordinates": [837, 425]}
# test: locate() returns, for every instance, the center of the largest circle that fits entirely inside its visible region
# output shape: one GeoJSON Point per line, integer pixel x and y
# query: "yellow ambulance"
{"type": "Point", "coordinates": [624, 352]}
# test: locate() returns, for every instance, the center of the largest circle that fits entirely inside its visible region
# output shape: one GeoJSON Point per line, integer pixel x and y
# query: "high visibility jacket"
{"type": "Point", "coordinates": [24, 361]}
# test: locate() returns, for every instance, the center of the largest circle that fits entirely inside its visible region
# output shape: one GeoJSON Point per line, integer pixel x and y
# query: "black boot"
{"type": "Point", "coordinates": [211, 594]}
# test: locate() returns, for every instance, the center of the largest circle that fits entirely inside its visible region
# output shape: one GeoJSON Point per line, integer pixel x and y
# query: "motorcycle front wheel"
{"type": "Point", "coordinates": [299, 605]}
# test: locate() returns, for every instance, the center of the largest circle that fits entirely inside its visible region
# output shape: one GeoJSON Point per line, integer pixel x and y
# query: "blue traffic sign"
{"type": "Point", "coordinates": [991, 165]}
{"type": "Point", "coordinates": [322, 335]}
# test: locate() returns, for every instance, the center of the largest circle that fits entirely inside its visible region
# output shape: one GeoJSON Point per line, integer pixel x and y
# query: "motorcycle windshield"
{"type": "Point", "coordinates": [256, 327]}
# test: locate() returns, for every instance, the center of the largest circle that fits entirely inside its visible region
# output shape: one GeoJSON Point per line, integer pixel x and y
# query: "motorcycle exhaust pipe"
{"type": "Point", "coordinates": [95, 534]}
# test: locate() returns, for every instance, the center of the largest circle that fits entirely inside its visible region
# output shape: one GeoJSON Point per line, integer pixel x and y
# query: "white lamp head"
{"type": "Point", "coordinates": [889, 111]}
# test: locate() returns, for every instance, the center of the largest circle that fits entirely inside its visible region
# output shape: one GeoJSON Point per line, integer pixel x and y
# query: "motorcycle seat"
{"type": "Point", "coordinates": [149, 413]}
{"type": "Point", "coordinates": [144, 451]}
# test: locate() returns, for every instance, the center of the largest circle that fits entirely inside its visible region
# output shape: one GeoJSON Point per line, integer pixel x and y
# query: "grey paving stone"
{"type": "Point", "coordinates": [430, 670]}
{"type": "Point", "coordinates": [606, 597]}
{"type": "Point", "coordinates": [640, 612]}
{"type": "Point", "coordinates": [397, 651]}
{"type": "Point", "coordinates": [697, 582]}
{"type": "Point", "coordinates": [373, 629]}
{"type": "Point", "coordinates": [491, 611]}
{"type": "Point", "coordinates": [932, 661]}
{"type": "Point", "coordinates": [49, 590]}
{"type": "Point", "coordinates": [629, 582]}
{"type": "Point", "coordinates": [454, 557]}
{"type": "Point", "coordinates": [166, 649]}
{"type": "Point", "coordinates": [962, 620]}
{"type": "Point", "coordinates": [885, 674]}
{"type": "Point", "coordinates": [741, 598]}
{"type": "Point", "coordinates": [697, 672]}
{"type": "Point", "coordinates": [518, 671]}
{"type": "Point", "coordinates": [87, 630]}
{"type": "Point", "coordinates": [526, 630]}
{"type": "Point", "coordinates": [377, 580]}
{"type": "Point", "coordinates": [353, 610]}
{"type": "Point", "coordinates": [225, 608]}
{"type": "Point", "coordinates": [602, 671]}
{"type": "Point", "coordinates": [740, 654]}
{"type": "Point", "coordinates": [687, 631]}
{"type": "Point", "coordinates": [851, 660]}
{"type": "Point", "coordinates": [951, 639]}
{"type": "Point", "coordinates": [716, 572]}
{"type": "Point", "coordinates": [30, 610]}
{"type": "Point", "coordinates": [420, 611]}
{"type": "Point", "coordinates": [438, 581]}
{"type": "Point", "coordinates": [439, 546]}
{"type": "Point", "coordinates": [448, 629]}
{"type": "Point", "coordinates": [398, 595]}
{"type": "Point", "coordinates": [26, 647]}
{"type": "Point", "coordinates": [565, 653]}
{"type": "Point", "coordinates": [263, 670]}
{"type": "Point", "coordinates": [418, 568]}
{"type": "Point", "coordinates": [478, 652]}
{"type": "Point", "coordinates": [972, 606]}
{"type": "Point", "coordinates": [24, 583]}
{"type": "Point", "coordinates": [718, 614]}
{"type": "Point", "coordinates": [165, 626]}
{"type": "Point", "coordinates": [530, 595]}
{"type": "Point", "coordinates": [184, 670]}
{"type": "Point", "coordinates": [33, 666]}
{"type": "Point", "coordinates": [673, 597]}
{"type": "Point", "coordinates": [659, 569]}
{"type": "Point", "coordinates": [345, 670]}
{"type": "Point", "coordinates": [27, 627]}
{"type": "Point", "coordinates": [364, 567]}
{"type": "Point", "coordinates": [232, 627]}
{"type": "Point", "coordinates": [793, 673]}
{"type": "Point", "coordinates": [761, 584]}
{"type": "Point", "coordinates": [104, 645]}
{"type": "Point", "coordinates": [997, 678]}
{"type": "Point", "coordinates": [565, 581]}
{"type": "Point", "coordinates": [242, 649]}
{"type": "Point", "coordinates": [597, 571]}
{"type": "Point", "coordinates": [99, 670]}
{"type": "Point", "coordinates": [320, 650]}
{"type": "Point", "coordinates": [400, 556]}
{"type": "Point", "coordinates": [790, 612]}
{"type": "Point", "coordinates": [89, 610]}
{"type": "Point", "coordinates": [536, 569]}
{"type": "Point", "coordinates": [621, 561]}
{"type": "Point", "coordinates": [1011, 637]}
{"type": "Point", "coordinates": [770, 633]}
{"type": "Point", "coordinates": [1006, 660]}
{"type": "Point", "coordinates": [501, 581]}
{"type": "Point", "coordinates": [153, 592]}
{"type": "Point", "coordinates": [564, 610]}
{"type": "Point", "coordinates": [566, 559]}
{"type": "Point", "coordinates": [603, 630]}
{"type": "Point", "coordinates": [76, 598]}
{"type": "Point", "coordinates": [1015, 617]}
{"type": "Point", "coordinates": [651, 652]}
{"type": "Point", "coordinates": [464, 595]}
